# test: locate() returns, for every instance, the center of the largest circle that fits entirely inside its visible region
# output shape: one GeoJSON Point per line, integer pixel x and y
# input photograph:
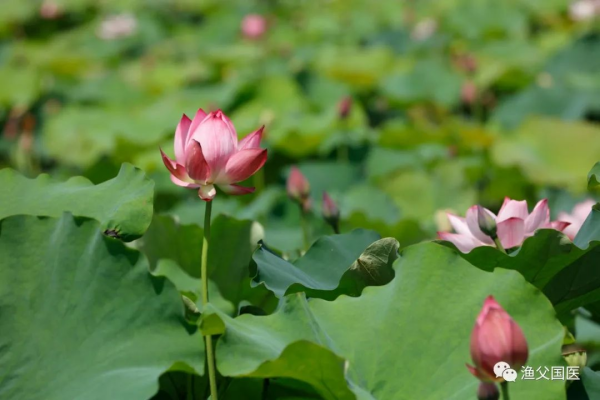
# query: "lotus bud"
{"type": "Point", "coordinates": [257, 233]}
{"type": "Point", "coordinates": [49, 10]}
{"type": "Point", "coordinates": [576, 358]}
{"type": "Point", "coordinates": [468, 93]}
{"type": "Point", "coordinates": [298, 188]}
{"type": "Point", "coordinates": [331, 213]}
{"type": "Point", "coordinates": [488, 391]}
{"type": "Point", "coordinates": [487, 223]}
{"type": "Point", "coordinates": [344, 107]}
{"type": "Point", "coordinates": [254, 26]}
{"type": "Point", "coordinates": [496, 337]}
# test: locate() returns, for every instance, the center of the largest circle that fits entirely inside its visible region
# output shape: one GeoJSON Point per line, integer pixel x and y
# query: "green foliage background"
{"type": "Point", "coordinates": [455, 103]}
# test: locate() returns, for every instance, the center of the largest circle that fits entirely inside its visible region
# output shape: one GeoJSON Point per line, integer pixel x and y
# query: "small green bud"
{"type": "Point", "coordinates": [486, 222]}
{"type": "Point", "coordinates": [576, 358]}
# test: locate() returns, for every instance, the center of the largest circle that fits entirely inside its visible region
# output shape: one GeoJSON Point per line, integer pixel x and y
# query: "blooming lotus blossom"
{"type": "Point", "coordinates": [583, 10]}
{"type": "Point", "coordinates": [207, 154]}
{"type": "Point", "coordinates": [576, 218]}
{"type": "Point", "coordinates": [254, 26]}
{"type": "Point", "coordinates": [117, 27]}
{"type": "Point", "coordinates": [496, 337]}
{"type": "Point", "coordinates": [514, 224]}
{"type": "Point", "coordinates": [424, 30]}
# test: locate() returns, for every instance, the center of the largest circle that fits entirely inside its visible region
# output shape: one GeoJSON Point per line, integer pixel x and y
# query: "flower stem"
{"type": "Point", "coordinates": [305, 233]}
{"type": "Point", "coordinates": [343, 152]}
{"type": "Point", "coordinates": [210, 356]}
{"type": "Point", "coordinates": [336, 228]}
{"type": "Point", "coordinates": [499, 245]}
{"type": "Point", "coordinates": [343, 155]}
{"type": "Point", "coordinates": [504, 390]}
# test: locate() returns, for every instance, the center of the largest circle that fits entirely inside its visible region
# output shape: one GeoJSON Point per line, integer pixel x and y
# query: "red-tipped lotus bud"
{"type": "Point", "coordinates": [344, 107]}
{"type": "Point", "coordinates": [254, 26]}
{"type": "Point", "coordinates": [49, 10]}
{"type": "Point", "coordinates": [496, 338]}
{"type": "Point", "coordinates": [486, 222]}
{"type": "Point", "coordinates": [298, 188]}
{"type": "Point", "coordinates": [331, 213]}
{"type": "Point", "coordinates": [488, 391]}
{"type": "Point", "coordinates": [468, 92]}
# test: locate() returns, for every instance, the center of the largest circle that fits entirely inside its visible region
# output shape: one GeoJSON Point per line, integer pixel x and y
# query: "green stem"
{"type": "Point", "coordinates": [336, 228]}
{"type": "Point", "coordinates": [305, 233]}
{"type": "Point", "coordinates": [504, 390]}
{"type": "Point", "coordinates": [344, 149]}
{"type": "Point", "coordinates": [343, 154]}
{"type": "Point", "coordinates": [210, 356]}
{"type": "Point", "coordinates": [499, 245]}
{"type": "Point", "coordinates": [190, 394]}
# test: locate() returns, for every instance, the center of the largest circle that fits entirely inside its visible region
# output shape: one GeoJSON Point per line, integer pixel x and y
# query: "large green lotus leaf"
{"type": "Point", "coordinates": [123, 205]}
{"type": "Point", "coordinates": [591, 382]}
{"type": "Point", "coordinates": [478, 20]}
{"type": "Point", "coordinates": [406, 231]}
{"type": "Point", "coordinates": [567, 274]}
{"type": "Point", "coordinates": [81, 316]}
{"type": "Point", "coordinates": [445, 187]}
{"type": "Point", "coordinates": [593, 182]}
{"type": "Point", "coordinates": [587, 332]}
{"type": "Point", "coordinates": [382, 161]}
{"type": "Point", "coordinates": [590, 230]}
{"type": "Point", "coordinates": [329, 176]}
{"type": "Point", "coordinates": [567, 89]}
{"type": "Point", "coordinates": [370, 201]}
{"type": "Point", "coordinates": [359, 67]}
{"type": "Point", "coordinates": [334, 265]}
{"type": "Point", "coordinates": [81, 136]}
{"type": "Point", "coordinates": [191, 288]}
{"type": "Point", "coordinates": [544, 149]}
{"type": "Point", "coordinates": [430, 80]}
{"type": "Point", "coordinates": [175, 249]}
{"type": "Point", "coordinates": [554, 101]}
{"type": "Point", "coordinates": [20, 86]}
{"type": "Point", "coordinates": [268, 389]}
{"type": "Point", "coordinates": [408, 339]}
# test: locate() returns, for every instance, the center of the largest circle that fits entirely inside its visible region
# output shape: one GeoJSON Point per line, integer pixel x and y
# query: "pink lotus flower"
{"type": "Point", "coordinates": [254, 26]}
{"type": "Point", "coordinates": [207, 153]}
{"type": "Point", "coordinates": [576, 218]}
{"type": "Point", "coordinates": [50, 10]}
{"type": "Point", "coordinates": [514, 224]}
{"type": "Point", "coordinates": [117, 27]}
{"type": "Point", "coordinates": [496, 337]}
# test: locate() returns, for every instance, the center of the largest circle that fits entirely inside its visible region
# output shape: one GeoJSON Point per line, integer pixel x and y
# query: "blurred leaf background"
{"type": "Point", "coordinates": [453, 102]}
